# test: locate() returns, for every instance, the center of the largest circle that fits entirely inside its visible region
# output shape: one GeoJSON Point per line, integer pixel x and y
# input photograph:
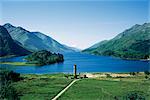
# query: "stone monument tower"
{"type": "Point", "coordinates": [75, 71]}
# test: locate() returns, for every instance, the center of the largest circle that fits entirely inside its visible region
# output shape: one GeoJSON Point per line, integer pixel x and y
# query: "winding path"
{"type": "Point", "coordinates": [61, 92]}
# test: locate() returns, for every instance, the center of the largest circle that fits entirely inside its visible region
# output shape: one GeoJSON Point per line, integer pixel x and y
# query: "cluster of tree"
{"type": "Point", "coordinates": [7, 91]}
{"type": "Point", "coordinates": [44, 57]}
{"type": "Point", "coordinates": [133, 95]}
{"type": "Point", "coordinates": [147, 72]}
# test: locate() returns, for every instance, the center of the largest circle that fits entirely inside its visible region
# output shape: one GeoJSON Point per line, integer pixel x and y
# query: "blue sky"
{"type": "Point", "coordinates": [75, 23]}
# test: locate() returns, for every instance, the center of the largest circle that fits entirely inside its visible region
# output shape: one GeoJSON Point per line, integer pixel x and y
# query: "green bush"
{"type": "Point", "coordinates": [146, 77]}
{"type": "Point", "coordinates": [108, 76]}
{"type": "Point", "coordinates": [132, 73]}
{"type": "Point", "coordinates": [135, 96]}
{"type": "Point", "coordinates": [9, 76]}
{"type": "Point", "coordinates": [7, 91]}
{"type": "Point", "coordinates": [147, 73]}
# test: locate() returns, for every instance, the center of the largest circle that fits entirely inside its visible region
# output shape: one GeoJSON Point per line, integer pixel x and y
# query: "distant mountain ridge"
{"type": "Point", "coordinates": [132, 43]}
{"type": "Point", "coordinates": [98, 44]}
{"type": "Point", "coordinates": [8, 47]}
{"type": "Point", "coordinates": [35, 41]}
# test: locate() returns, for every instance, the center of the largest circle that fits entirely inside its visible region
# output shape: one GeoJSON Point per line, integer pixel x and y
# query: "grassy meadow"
{"type": "Point", "coordinates": [40, 87]}
{"type": "Point", "coordinates": [93, 89]}
{"type": "Point", "coordinates": [47, 86]}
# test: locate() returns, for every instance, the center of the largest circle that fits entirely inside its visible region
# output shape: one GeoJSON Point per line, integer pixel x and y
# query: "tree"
{"type": "Point", "coordinates": [134, 96]}
{"type": "Point", "coordinates": [146, 77]}
{"type": "Point", "coordinates": [132, 73]}
{"type": "Point", "coordinates": [44, 57]}
{"type": "Point", "coordinates": [147, 72]}
{"type": "Point", "coordinates": [7, 91]}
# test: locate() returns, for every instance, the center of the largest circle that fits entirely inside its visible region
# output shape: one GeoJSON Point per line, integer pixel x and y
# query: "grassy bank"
{"type": "Point", "coordinates": [17, 63]}
{"type": "Point", "coordinates": [9, 56]}
{"type": "Point", "coordinates": [95, 89]}
{"type": "Point", "coordinates": [40, 87]}
{"type": "Point", "coordinates": [45, 87]}
{"type": "Point", "coordinates": [109, 86]}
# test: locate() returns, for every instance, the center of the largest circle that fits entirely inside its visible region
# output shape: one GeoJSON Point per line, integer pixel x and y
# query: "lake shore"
{"type": "Point", "coordinates": [108, 75]}
{"type": "Point", "coordinates": [9, 56]}
{"type": "Point", "coordinates": [17, 63]}
{"type": "Point", "coordinates": [117, 57]}
{"type": "Point", "coordinates": [95, 74]}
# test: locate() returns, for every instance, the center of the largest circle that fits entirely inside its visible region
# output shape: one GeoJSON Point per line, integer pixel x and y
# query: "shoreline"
{"type": "Point", "coordinates": [9, 56]}
{"type": "Point", "coordinates": [97, 76]}
{"type": "Point", "coordinates": [116, 57]}
{"type": "Point", "coordinates": [17, 63]}
{"type": "Point", "coordinates": [81, 73]}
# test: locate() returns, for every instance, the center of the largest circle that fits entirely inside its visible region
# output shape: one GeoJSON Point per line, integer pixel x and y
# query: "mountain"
{"type": "Point", "coordinates": [8, 46]}
{"type": "Point", "coordinates": [98, 44]}
{"type": "Point", "coordinates": [72, 48]}
{"type": "Point", "coordinates": [35, 41]}
{"type": "Point", "coordinates": [132, 43]}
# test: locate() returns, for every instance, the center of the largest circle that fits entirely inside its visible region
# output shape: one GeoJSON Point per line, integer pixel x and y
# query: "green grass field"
{"type": "Point", "coordinates": [45, 87]}
{"type": "Point", "coordinates": [40, 87]}
{"type": "Point", "coordinates": [94, 89]}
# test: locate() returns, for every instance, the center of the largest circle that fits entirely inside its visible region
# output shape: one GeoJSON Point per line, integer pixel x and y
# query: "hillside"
{"type": "Point", "coordinates": [133, 43]}
{"type": "Point", "coordinates": [7, 45]}
{"type": "Point", "coordinates": [35, 41]}
{"type": "Point", "coordinates": [98, 44]}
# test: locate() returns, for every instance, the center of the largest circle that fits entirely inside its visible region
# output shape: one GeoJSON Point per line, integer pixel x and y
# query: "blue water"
{"type": "Point", "coordinates": [84, 62]}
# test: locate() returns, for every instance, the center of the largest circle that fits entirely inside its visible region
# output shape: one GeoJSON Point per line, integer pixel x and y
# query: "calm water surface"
{"type": "Point", "coordinates": [84, 62]}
